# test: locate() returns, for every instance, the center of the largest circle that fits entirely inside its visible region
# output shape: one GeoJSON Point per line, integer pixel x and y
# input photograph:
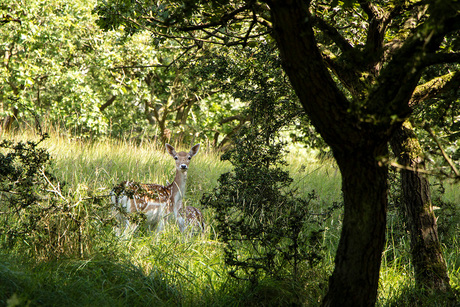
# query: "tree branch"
{"type": "Point", "coordinates": [141, 66]}
{"type": "Point", "coordinates": [221, 22]}
{"type": "Point", "coordinates": [433, 87]}
{"type": "Point", "coordinates": [7, 18]}
{"type": "Point", "coordinates": [378, 20]}
{"type": "Point", "coordinates": [107, 103]}
{"type": "Point", "coordinates": [242, 120]}
{"type": "Point", "coordinates": [441, 58]}
{"type": "Point", "coordinates": [433, 172]}
{"type": "Point", "coordinates": [251, 26]}
{"type": "Point", "coordinates": [350, 78]}
{"type": "Point", "coordinates": [407, 62]}
{"type": "Point", "coordinates": [368, 8]}
{"type": "Point", "coordinates": [333, 34]}
{"type": "Point", "coordinates": [346, 66]}
{"type": "Point", "coordinates": [239, 117]}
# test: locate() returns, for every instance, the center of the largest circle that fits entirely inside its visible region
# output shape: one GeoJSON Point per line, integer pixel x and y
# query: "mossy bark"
{"type": "Point", "coordinates": [429, 264]}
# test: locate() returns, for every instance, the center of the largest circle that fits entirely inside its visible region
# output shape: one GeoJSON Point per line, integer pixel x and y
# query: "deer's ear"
{"type": "Point", "coordinates": [170, 150]}
{"type": "Point", "coordinates": [194, 150]}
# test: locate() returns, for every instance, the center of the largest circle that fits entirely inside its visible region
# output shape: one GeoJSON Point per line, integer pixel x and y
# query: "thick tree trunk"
{"type": "Point", "coordinates": [356, 145]}
{"type": "Point", "coordinates": [429, 265]}
{"type": "Point", "coordinates": [354, 281]}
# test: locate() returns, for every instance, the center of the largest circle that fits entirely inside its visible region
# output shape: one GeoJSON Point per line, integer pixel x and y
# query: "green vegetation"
{"type": "Point", "coordinates": [167, 269]}
{"type": "Point", "coordinates": [113, 80]}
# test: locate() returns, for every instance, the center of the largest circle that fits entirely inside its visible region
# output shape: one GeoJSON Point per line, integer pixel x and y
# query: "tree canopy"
{"type": "Point", "coordinates": [60, 68]}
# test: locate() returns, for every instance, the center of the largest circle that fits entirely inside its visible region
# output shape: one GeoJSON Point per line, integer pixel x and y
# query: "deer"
{"type": "Point", "coordinates": [159, 202]}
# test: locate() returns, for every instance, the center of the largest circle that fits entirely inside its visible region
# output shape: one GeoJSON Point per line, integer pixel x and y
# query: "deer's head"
{"type": "Point", "coordinates": [182, 158]}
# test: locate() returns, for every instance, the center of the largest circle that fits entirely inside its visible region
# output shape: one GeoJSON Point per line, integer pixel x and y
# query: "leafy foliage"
{"type": "Point", "coordinates": [58, 65]}
{"type": "Point", "coordinates": [36, 217]}
{"type": "Point", "coordinates": [264, 226]}
{"type": "Point", "coordinates": [46, 64]}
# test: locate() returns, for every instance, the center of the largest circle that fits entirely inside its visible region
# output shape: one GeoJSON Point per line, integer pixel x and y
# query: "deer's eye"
{"type": "Point", "coordinates": [190, 158]}
{"type": "Point", "coordinates": [175, 158]}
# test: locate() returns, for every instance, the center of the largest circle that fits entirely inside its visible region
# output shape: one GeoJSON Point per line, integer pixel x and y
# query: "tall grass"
{"type": "Point", "coordinates": [167, 269]}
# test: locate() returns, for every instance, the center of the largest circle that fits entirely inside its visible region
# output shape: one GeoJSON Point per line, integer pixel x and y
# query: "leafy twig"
{"type": "Point", "coordinates": [443, 152]}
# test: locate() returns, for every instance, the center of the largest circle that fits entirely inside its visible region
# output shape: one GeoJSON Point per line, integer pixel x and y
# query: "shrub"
{"type": "Point", "coordinates": [265, 228]}
{"type": "Point", "coordinates": [37, 216]}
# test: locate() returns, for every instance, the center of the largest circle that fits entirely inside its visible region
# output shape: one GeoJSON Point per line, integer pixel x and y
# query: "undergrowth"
{"type": "Point", "coordinates": [166, 269]}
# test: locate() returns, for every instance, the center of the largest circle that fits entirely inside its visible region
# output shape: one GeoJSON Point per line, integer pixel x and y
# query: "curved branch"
{"type": "Point", "coordinates": [242, 121]}
{"type": "Point", "coordinates": [443, 152]}
{"type": "Point", "coordinates": [407, 62]}
{"type": "Point", "coordinates": [441, 58]}
{"type": "Point", "coordinates": [333, 34]}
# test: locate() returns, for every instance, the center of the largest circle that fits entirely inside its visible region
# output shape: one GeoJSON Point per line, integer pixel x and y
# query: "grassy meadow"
{"type": "Point", "coordinates": [167, 269]}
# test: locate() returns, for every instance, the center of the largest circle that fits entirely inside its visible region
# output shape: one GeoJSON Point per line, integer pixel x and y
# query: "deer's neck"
{"type": "Point", "coordinates": [178, 189]}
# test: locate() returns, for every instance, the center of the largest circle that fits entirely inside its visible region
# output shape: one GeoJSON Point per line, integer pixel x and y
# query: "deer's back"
{"type": "Point", "coordinates": [143, 197]}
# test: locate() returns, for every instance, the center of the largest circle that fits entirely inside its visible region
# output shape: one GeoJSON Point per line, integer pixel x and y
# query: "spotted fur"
{"type": "Point", "coordinates": [156, 201]}
{"type": "Point", "coordinates": [194, 219]}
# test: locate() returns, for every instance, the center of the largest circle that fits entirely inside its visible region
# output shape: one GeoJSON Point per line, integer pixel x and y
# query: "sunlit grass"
{"type": "Point", "coordinates": [169, 269]}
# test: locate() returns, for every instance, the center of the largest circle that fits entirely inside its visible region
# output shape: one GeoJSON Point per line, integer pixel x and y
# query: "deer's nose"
{"type": "Point", "coordinates": [183, 166]}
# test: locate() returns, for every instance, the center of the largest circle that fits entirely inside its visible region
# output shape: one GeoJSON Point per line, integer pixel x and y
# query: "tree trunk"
{"type": "Point", "coordinates": [9, 120]}
{"type": "Point", "coordinates": [429, 266]}
{"type": "Point", "coordinates": [354, 281]}
{"type": "Point", "coordinates": [356, 144]}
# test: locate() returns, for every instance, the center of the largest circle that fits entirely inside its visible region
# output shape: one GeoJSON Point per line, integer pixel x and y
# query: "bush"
{"type": "Point", "coordinates": [267, 231]}
{"type": "Point", "coordinates": [37, 216]}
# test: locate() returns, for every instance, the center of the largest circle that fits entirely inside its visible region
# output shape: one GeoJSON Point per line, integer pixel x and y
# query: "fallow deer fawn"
{"type": "Point", "coordinates": [158, 202]}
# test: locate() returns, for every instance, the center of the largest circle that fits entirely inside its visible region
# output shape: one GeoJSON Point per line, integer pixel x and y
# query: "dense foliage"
{"type": "Point", "coordinates": [185, 70]}
{"type": "Point", "coordinates": [266, 229]}
{"type": "Point", "coordinates": [358, 68]}
{"type": "Point", "coordinates": [59, 69]}
{"type": "Point", "coordinates": [37, 216]}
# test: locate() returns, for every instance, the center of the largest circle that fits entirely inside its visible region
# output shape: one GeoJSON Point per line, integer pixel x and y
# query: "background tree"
{"type": "Point", "coordinates": [45, 64]}
{"type": "Point", "coordinates": [59, 67]}
{"type": "Point", "coordinates": [356, 114]}
{"type": "Point", "coordinates": [253, 77]}
{"type": "Point", "coordinates": [429, 264]}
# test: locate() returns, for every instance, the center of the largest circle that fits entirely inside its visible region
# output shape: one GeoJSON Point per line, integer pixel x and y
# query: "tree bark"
{"type": "Point", "coordinates": [354, 281]}
{"type": "Point", "coordinates": [429, 265]}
